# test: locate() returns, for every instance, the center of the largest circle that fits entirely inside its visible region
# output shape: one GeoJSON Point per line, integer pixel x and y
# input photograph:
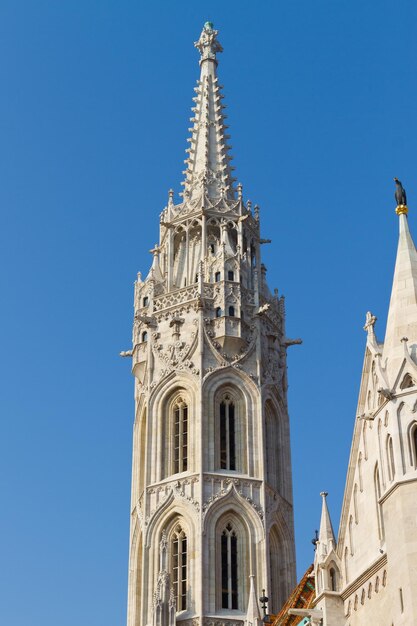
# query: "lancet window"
{"type": "Point", "coordinates": [390, 455]}
{"type": "Point", "coordinates": [180, 436]}
{"type": "Point", "coordinates": [333, 579]}
{"type": "Point", "coordinates": [377, 483]}
{"type": "Point", "coordinates": [227, 434]}
{"type": "Point", "coordinates": [413, 444]}
{"type": "Point", "coordinates": [229, 567]}
{"type": "Point", "coordinates": [179, 566]}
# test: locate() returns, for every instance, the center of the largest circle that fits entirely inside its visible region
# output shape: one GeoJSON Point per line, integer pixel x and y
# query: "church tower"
{"type": "Point", "coordinates": [369, 576]}
{"type": "Point", "coordinates": [211, 511]}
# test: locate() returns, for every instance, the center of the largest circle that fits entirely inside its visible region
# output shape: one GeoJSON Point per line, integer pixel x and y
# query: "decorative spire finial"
{"type": "Point", "coordinates": [208, 43]}
{"type": "Point", "coordinates": [401, 198]}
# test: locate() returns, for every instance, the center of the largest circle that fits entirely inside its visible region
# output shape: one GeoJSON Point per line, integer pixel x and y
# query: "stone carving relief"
{"type": "Point", "coordinates": [236, 484]}
{"type": "Point", "coordinates": [164, 493]}
{"type": "Point", "coordinates": [174, 298]}
{"type": "Point", "coordinates": [176, 355]}
{"type": "Point", "coordinates": [223, 358]}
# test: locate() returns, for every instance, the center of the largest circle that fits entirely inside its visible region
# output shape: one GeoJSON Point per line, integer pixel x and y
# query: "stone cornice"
{"type": "Point", "coordinates": [364, 577]}
{"type": "Point", "coordinates": [394, 487]}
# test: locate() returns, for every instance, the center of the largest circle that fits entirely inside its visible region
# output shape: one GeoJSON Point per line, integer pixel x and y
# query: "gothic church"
{"type": "Point", "coordinates": [211, 508]}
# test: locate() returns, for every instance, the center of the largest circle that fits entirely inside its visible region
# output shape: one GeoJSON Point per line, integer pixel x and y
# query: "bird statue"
{"type": "Point", "coordinates": [400, 195]}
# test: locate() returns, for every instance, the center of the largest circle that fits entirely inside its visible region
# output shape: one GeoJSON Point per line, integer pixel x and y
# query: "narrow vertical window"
{"type": "Point", "coordinates": [414, 440]}
{"type": "Point", "coordinates": [360, 471]}
{"type": "Point", "coordinates": [230, 275]}
{"type": "Point", "coordinates": [231, 311]}
{"type": "Point", "coordinates": [144, 336]}
{"type": "Point", "coordinates": [227, 435]}
{"type": "Point", "coordinates": [179, 567]}
{"type": "Point", "coordinates": [346, 566]}
{"type": "Point", "coordinates": [351, 535]}
{"type": "Point", "coordinates": [390, 455]}
{"type": "Point", "coordinates": [378, 505]}
{"type": "Point", "coordinates": [229, 568]}
{"type": "Point", "coordinates": [355, 503]}
{"type": "Point", "coordinates": [217, 276]}
{"type": "Point", "coordinates": [218, 312]}
{"type": "Point", "coordinates": [333, 581]}
{"type": "Point", "coordinates": [180, 437]}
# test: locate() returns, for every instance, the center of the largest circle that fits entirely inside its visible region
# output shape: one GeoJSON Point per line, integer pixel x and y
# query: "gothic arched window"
{"type": "Point", "coordinates": [179, 566]}
{"type": "Point", "coordinates": [180, 436]}
{"type": "Point", "coordinates": [229, 567]}
{"type": "Point", "coordinates": [217, 277]}
{"type": "Point", "coordinates": [227, 434]}
{"type": "Point", "coordinates": [355, 503]}
{"type": "Point", "coordinates": [231, 311]}
{"type": "Point", "coordinates": [333, 579]}
{"type": "Point", "coordinates": [360, 471]}
{"type": "Point", "coordinates": [218, 312]}
{"type": "Point", "coordinates": [377, 484]}
{"type": "Point", "coordinates": [144, 336]}
{"type": "Point", "coordinates": [351, 535]}
{"type": "Point", "coordinates": [390, 458]}
{"type": "Point", "coordinates": [412, 434]}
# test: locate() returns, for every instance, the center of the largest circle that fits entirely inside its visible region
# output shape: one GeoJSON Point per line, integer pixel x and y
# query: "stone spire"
{"type": "Point", "coordinates": [253, 617]}
{"type": "Point", "coordinates": [402, 315]}
{"type": "Point", "coordinates": [208, 163]}
{"type": "Point", "coordinates": [326, 542]}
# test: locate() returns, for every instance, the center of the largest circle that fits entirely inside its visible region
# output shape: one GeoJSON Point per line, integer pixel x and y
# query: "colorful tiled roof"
{"type": "Point", "coordinates": [302, 597]}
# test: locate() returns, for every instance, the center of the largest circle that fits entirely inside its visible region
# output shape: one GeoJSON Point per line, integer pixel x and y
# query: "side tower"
{"type": "Point", "coordinates": [370, 577]}
{"type": "Point", "coordinates": [211, 483]}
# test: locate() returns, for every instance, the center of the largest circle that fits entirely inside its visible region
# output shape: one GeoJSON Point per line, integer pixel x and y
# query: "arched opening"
{"type": "Point", "coordinates": [355, 503]}
{"type": "Point", "coordinates": [407, 382]}
{"type": "Point", "coordinates": [231, 311]}
{"type": "Point", "coordinates": [232, 555]}
{"type": "Point", "coordinates": [180, 436]}
{"type": "Point", "coordinates": [351, 535]}
{"type": "Point", "coordinates": [390, 458]}
{"type": "Point", "coordinates": [272, 446]}
{"type": "Point", "coordinates": [360, 472]}
{"type": "Point", "coordinates": [412, 434]}
{"type": "Point", "coordinates": [217, 277]}
{"type": "Point", "coordinates": [178, 551]}
{"type": "Point", "coordinates": [227, 434]}
{"type": "Point", "coordinates": [380, 520]}
{"type": "Point", "coordinates": [144, 336]}
{"type": "Point", "coordinates": [229, 430]}
{"type": "Point", "coordinates": [218, 312]}
{"type": "Point", "coordinates": [346, 557]}
{"type": "Point", "coordinates": [229, 567]}
{"type": "Point", "coordinates": [278, 588]}
{"type": "Point", "coordinates": [332, 579]}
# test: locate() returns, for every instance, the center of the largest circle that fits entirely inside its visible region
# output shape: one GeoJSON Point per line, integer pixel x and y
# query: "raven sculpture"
{"type": "Point", "coordinates": [400, 195]}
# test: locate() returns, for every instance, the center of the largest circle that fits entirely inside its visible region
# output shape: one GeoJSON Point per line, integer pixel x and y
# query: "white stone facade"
{"type": "Point", "coordinates": [369, 576]}
{"type": "Point", "coordinates": [211, 514]}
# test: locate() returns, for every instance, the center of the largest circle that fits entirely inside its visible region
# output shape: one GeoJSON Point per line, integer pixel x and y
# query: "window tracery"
{"type": "Point", "coordinates": [227, 434]}
{"type": "Point", "coordinates": [180, 436]}
{"type": "Point", "coordinates": [179, 566]}
{"type": "Point", "coordinates": [229, 567]}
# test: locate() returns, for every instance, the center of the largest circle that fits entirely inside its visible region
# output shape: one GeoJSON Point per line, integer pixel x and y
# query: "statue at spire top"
{"type": "Point", "coordinates": [400, 197]}
{"type": "Point", "coordinates": [208, 44]}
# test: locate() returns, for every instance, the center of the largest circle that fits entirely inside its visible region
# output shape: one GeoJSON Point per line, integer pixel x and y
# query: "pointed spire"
{"type": "Point", "coordinates": [208, 163]}
{"type": "Point", "coordinates": [402, 314]}
{"type": "Point", "coordinates": [253, 617]}
{"type": "Point", "coordinates": [326, 542]}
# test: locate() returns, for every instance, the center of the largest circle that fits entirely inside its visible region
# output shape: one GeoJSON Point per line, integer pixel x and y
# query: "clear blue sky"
{"type": "Point", "coordinates": [94, 107]}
